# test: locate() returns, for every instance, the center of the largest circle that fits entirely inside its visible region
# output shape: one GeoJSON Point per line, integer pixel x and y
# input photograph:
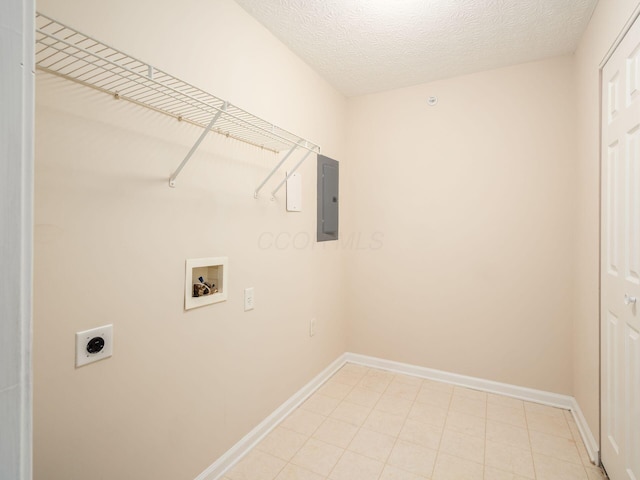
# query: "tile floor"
{"type": "Point", "coordinates": [369, 424]}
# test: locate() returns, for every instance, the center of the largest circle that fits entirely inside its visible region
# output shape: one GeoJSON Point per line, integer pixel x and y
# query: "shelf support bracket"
{"type": "Point", "coordinates": [293, 170]}
{"type": "Point", "coordinates": [275, 169]}
{"type": "Point", "coordinates": [172, 179]}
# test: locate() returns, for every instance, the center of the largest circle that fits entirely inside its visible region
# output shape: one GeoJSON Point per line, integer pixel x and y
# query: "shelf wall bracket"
{"type": "Point", "coordinates": [172, 179]}
{"type": "Point", "coordinates": [291, 172]}
{"type": "Point", "coordinates": [275, 169]}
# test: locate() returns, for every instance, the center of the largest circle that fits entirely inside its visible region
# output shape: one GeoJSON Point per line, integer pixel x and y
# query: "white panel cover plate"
{"type": "Point", "coordinates": [294, 193]}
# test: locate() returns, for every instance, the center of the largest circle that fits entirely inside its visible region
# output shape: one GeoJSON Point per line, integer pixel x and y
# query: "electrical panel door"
{"type": "Point", "coordinates": [328, 198]}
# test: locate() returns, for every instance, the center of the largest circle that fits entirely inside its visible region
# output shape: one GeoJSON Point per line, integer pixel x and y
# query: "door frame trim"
{"type": "Point", "coordinates": [625, 29]}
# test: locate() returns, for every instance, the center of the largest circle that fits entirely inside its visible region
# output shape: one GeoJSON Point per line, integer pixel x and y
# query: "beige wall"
{"type": "Point", "coordinates": [474, 201]}
{"type": "Point", "coordinates": [606, 23]}
{"type": "Point", "coordinates": [469, 237]}
{"type": "Point", "coordinates": [112, 238]}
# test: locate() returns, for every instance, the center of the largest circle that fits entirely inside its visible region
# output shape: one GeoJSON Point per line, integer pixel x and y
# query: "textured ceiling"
{"type": "Point", "coordinates": [366, 46]}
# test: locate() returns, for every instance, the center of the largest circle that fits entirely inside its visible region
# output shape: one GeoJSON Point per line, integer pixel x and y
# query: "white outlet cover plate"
{"type": "Point", "coordinates": [82, 338]}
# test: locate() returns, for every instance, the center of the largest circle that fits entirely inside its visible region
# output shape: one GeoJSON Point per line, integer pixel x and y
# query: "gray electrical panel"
{"type": "Point", "coordinates": [328, 198]}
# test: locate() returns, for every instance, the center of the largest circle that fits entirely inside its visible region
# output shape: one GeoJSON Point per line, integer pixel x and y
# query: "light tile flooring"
{"type": "Point", "coordinates": [369, 424]}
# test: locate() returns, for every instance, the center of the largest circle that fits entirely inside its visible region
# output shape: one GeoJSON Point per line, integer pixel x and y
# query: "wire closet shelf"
{"type": "Point", "coordinates": [63, 51]}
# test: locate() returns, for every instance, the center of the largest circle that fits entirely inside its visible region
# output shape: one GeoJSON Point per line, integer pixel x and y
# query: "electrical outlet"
{"type": "Point", "coordinates": [312, 327]}
{"type": "Point", "coordinates": [248, 299]}
{"type": "Point", "coordinates": [93, 345]}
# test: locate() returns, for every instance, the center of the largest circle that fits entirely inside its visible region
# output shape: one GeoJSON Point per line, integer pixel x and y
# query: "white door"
{"type": "Point", "coordinates": [620, 261]}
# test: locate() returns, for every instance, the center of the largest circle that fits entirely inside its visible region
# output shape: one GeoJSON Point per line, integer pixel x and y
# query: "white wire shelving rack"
{"type": "Point", "coordinates": [63, 51]}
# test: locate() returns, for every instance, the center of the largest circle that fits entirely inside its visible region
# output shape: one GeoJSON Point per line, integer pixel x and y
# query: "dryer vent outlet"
{"type": "Point", "coordinates": [93, 345]}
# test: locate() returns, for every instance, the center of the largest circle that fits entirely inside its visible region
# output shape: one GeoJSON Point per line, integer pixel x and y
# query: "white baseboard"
{"type": "Point", "coordinates": [251, 439]}
{"type": "Point", "coordinates": [590, 443]}
{"type": "Point", "coordinates": [244, 446]}
{"type": "Point", "coordinates": [523, 393]}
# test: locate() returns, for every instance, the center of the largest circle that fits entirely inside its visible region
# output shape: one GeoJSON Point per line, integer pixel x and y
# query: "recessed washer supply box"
{"type": "Point", "coordinates": [212, 270]}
